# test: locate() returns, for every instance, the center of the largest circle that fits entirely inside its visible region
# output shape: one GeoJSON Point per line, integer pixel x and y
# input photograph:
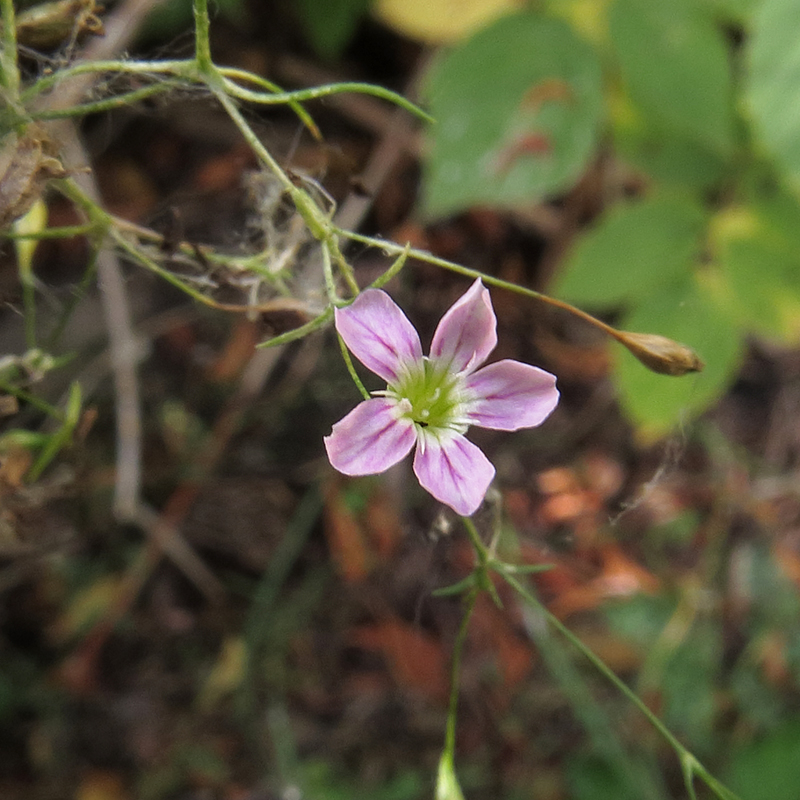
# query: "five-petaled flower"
{"type": "Point", "coordinates": [432, 400]}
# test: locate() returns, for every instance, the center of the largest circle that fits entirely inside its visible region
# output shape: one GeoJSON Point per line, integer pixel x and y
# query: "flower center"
{"type": "Point", "coordinates": [429, 396]}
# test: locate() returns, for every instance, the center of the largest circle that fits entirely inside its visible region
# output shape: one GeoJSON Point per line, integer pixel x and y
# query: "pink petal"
{"type": "Point", "coordinates": [378, 334]}
{"type": "Point", "coordinates": [453, 470]}
{"type": "Point", "coordinates": [467, 333]}
{"type": "Point", "coordinates": [511, 395]}
{"type": "Point", "coordinates": [370, 439]}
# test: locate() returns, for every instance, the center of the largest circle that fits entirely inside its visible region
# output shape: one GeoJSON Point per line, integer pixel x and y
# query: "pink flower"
{"type": "Point", "coordinates": [431, 401]}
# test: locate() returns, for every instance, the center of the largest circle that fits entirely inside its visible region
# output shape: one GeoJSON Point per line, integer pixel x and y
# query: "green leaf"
{"type": "Point", "coordinates": [758, 248]}
{"type": "Point", "coordinates": [518, 108]}
{"type": "Point", "coordinates": [671, 158]}
{"type": "Point", "coordinates": [593, 778]}
{"type": "Point", "coordinates": [633, 251]}
{"type": "Point", "coordinates": [688, 312]}
{"type": "Point", "coordinates": [688, 685]}
{"type": "Point", "coordinates": [759, 274]}
{"type": "Point", "coordinates": [773, 86]}
{"type": "Point", "coordinates": [330, 24]}
{"type": "Point", "coordinates": [768, 769]}
{"type": "Point", "coordinates": [736, 11]}
{"type": "Point", "coordinates": [639, 618]}
{"type": "Point", "coordinates": [675, 65]}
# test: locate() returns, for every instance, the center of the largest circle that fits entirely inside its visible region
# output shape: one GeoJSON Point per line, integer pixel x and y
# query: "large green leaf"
{"type": "Point", "coordinates": [768, 769]}
{"type": "Point", "coordinates": [737, 11]}
{"type": "Point", "coordinates": [773, 89]}
{"type": "Point", "coordinates": [518, 108]}
{"type": "Point", "coordinates": [671, 158]}
{"type": "Point", "coordinates": [675, 65]}
{"type": "Point", "coordinates": [757, 246]}
{"type": "Point", "coordinates": [632, 252]}
{"type": "Point", "coordinates": [686, 311]}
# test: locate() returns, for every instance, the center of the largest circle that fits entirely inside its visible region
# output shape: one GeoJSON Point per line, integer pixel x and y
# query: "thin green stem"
{"type": "Point", "coordinates": [317, 92]}
{"type": "Point", "coordinates": [327, 270]}
{"type": "Point", "coordinates": [327, 315]}
{"type": "Point", "coordinates": [182, 68]}
{"type": "Point", "coordinates": [63, 232]}
{"type": "Point", "coordinates": [108, 104]}
{"type": "Point", "coordinates": [301, 332]}
{"type": "Point", "coordinates": [99, 220]}
{"type": "Point", "coordinates": [485, 561]}
{"type": "Point", "coordinates": [341, 262]}
{"type": "Point", "coordinates": [639, 780]}
{"type": "Point", "coordinates": [351, 368]}
{"type": "Point", "coordinates": [151, 264]}
{"type": "Point", "coordinates": [690, 764]}
{"type": "Point", "coordinates": [29, 306]}
{"type": "Point", "coordinates": [262, 153]}
{"type": "Point", "coordinates": [9, 71]}
{"type": "Point", "coordinates": [657, 353]}
{"type": "Point", "coordinates": [60, 438]}
{"type": "Point", "coordinates": [455, 673]}
{"type": "Point", "coordinates": [202, 40]}
{"type": "Point", "coordinates": [32, 400]}
{"type": "Point", "coordinates": [393, 270]}
{"type": "Point", "coordinates": [243, 75]}
{"type": "Point", "coordinates": [392, 248]}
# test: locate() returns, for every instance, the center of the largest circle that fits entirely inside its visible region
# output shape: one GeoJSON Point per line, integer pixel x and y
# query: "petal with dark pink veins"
{"type": "Point", "coordinates": [379, 334]}
{"type": "Point", "coordinates": [511, 395]}
{"type": "Point", "coordinates": [370, 439]}
{"type": "Point", "coordinates": [467, 333]}
{"type": "Point", "coordinates": [453, 470]}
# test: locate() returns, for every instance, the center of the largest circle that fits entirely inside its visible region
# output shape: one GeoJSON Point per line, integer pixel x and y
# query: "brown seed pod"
{"type": "Point", "coordinates": [27, 163]}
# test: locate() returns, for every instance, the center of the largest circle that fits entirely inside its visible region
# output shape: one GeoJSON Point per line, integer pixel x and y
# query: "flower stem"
{"type": "Point", "coordinates": [108, 104]}
{"type": "Point", "coordinates": [301, 332]}
{"type": "Point", "coordinates": [9, 73]}
{"type": "Point", "coordinates": [351, 369]}
{"type": "Point", "coordinates": [32, 400]}
{"type": "Point", "coordinates": [183, 68]}
{"type": "Point", "coordinates": [690, 765]}
{"type": "Point", "coordinates": [455, 673]}
{"type": "Point", "coordinates": [202, 40]}
{"type": "Point", "coordinates": [657, 353]}
{"type": "Point", "coordinates": [396, 266]}
{"type": "Point", "coordinates": [275, 97]}
{"type": "Point", "coordinates": [447, 787]}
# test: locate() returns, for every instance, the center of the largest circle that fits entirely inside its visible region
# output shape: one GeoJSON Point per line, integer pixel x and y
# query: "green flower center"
{"type": "Point", "coordinates": [429, 396]}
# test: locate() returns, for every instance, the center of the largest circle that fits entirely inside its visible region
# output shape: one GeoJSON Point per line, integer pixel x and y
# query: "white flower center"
{"type": "Point", "coordinates": [430, 396]}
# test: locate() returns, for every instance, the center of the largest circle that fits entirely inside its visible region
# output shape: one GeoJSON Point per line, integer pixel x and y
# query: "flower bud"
{"type": "Point", "coordinates": [660, 354]}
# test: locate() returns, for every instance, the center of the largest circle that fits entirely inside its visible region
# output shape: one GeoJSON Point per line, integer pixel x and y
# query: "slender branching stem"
{"type": "Point", "coordinates": [455, 674]}
{"type": "Point", "coordinates": [657, 353]}
{"type": "Point", "coordinates": [202, 38]}
{"type": "Point", "coordinates": [392, 248]}
{"type": "Point", "coordinates": [32, 400]}
{"type": "Point", "coordinates": [183, 69]}
{"type": "Point", "coordinates": [691, 766]}
{"type": "Point", "coordinates": [9, 72]}
{"type": "Point", "coordinates": [107, 104]}
{"type": "Point", "coordinates": [316, 92]}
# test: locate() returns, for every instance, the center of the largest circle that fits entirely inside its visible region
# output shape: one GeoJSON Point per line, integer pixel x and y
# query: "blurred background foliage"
{"type": "Point", "coordinates": [684, 118]}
